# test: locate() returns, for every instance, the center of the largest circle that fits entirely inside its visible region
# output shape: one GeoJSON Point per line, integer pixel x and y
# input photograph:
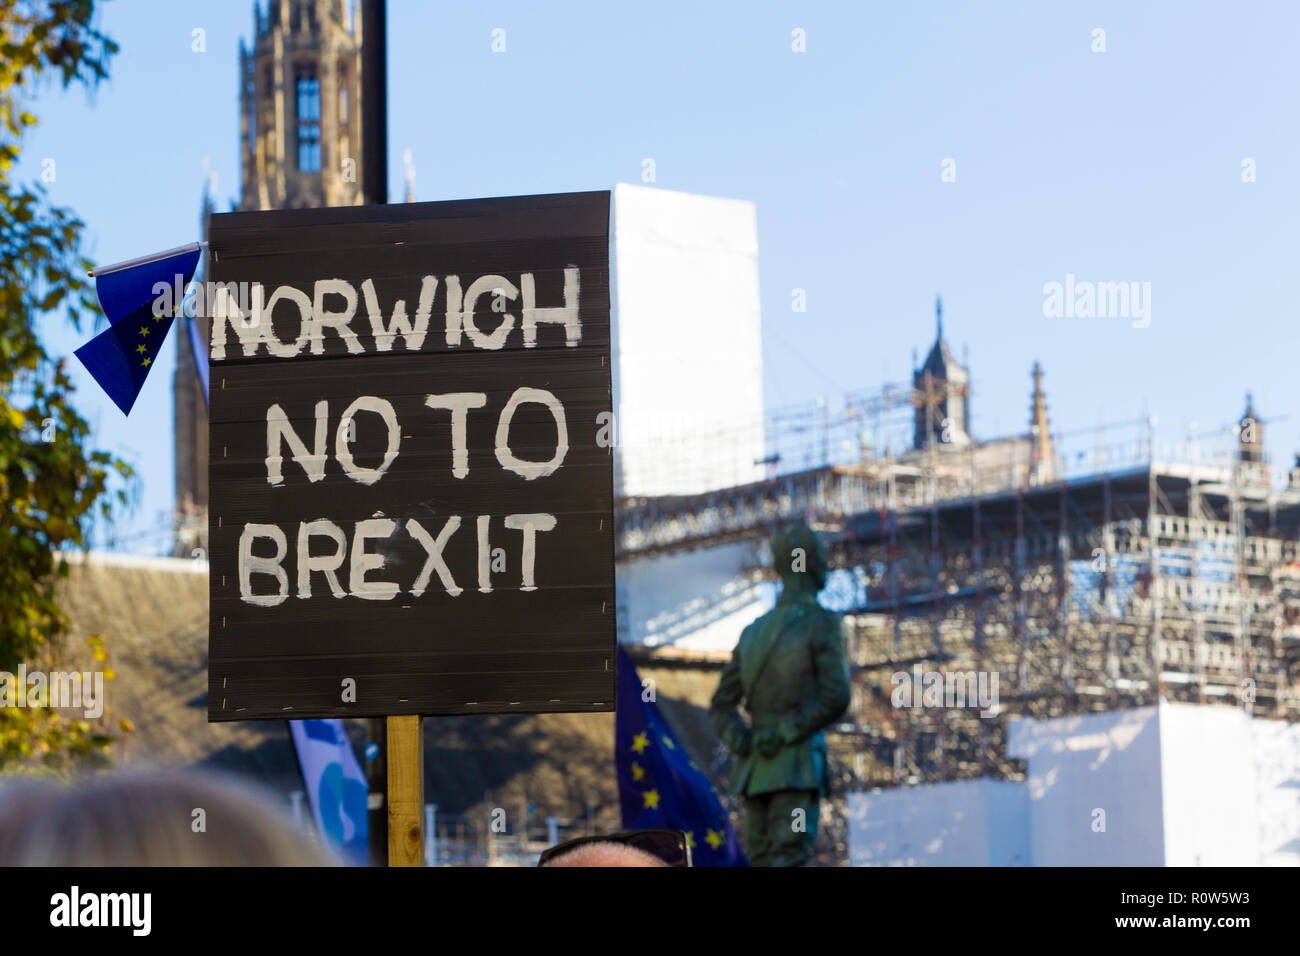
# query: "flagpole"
{"type": "Point", "coordinates": [145, 260]}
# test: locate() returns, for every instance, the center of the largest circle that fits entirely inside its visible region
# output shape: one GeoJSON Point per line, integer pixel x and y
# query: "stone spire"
{"type": "Point", "coordinates": [1040, 433]}
{"type": "Point", "coordinates": [1250, 434]}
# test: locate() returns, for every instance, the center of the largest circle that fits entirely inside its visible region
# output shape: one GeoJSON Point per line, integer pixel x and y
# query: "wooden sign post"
{"type": "Point", "coordinates": [411, 481]}
{"type": "Point", "coordinates": [405, 791]}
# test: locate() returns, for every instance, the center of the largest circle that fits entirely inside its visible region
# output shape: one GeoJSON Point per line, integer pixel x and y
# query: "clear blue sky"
{"type": "Point", "coordinates": [1122, 165]}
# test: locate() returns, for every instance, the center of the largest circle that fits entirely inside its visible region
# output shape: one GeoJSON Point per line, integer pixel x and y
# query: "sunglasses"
{"type": "Point", "coordinates": [670, 846]}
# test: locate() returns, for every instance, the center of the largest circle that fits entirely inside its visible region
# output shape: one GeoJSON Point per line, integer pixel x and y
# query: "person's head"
{"type": "Point", "coordinates": [161, 818]}
{"type": "Point", "coordinates": [651, 846]}
{"type": "Point", "coordinates": [799, 559]}
{"type": "Point", "coordinates": [604, 853]}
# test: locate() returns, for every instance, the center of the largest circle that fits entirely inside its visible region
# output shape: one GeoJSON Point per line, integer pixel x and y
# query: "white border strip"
{"type": "Point", "coordinates": [138, 562]}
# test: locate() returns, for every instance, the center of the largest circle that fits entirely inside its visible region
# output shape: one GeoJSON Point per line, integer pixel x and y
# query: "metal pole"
{"type": "Point", "coordinates": [295, 803]}
{"type": "Point", "coordinates": [374, 189]}
{"type": "Point", "coordinates": [430, 834]}
{"type": "Point", "coordinates": [374, 101]}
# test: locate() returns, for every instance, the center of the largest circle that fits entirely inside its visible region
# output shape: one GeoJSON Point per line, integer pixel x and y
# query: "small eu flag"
{"type": "Point", "coordinates": [119, 358]}
{"type": "Point", "coordinates": [658, 785]}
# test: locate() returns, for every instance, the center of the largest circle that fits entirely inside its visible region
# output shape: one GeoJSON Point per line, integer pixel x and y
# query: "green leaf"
{"type": "Point", "coordinates": [54, 297]}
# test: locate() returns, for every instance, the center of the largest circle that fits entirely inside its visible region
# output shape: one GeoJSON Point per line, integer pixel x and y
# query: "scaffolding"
{"type": "Point", "coordinates": [1112, 590]}
{"type": "Point", "coordinates": [1113, 574]}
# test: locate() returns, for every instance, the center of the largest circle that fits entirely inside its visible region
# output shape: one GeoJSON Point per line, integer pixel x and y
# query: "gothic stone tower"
{"type": "Point", "coordinates": [943, 413]}
{"type": "Point", "coordinates": [300, 117]}
{"type": "Point", "coordinates": [300, 146]}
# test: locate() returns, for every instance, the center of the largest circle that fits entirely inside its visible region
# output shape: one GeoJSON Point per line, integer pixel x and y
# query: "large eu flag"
{"type": "Point", "coordinates": [658, 784]}
{"type": "Point", "coordinates": [119, 358]}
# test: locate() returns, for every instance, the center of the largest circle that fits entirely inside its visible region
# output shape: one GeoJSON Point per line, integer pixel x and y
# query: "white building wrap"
{"type": "Point", "coordinates": [688, 398]}
{"type": "Point", "coordinates": [1171, 785]}
{"type": "Point", "coordinates": [688, 360]}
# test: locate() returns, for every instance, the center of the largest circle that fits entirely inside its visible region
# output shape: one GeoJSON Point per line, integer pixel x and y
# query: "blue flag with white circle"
{"type": "Point", "coordinates": [336, 787]}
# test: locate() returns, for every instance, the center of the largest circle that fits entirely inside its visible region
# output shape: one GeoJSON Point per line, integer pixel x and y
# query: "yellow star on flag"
{"type": "Point", "coordinates": [140, 349]}
{"type": "Point", "coordinates": [668, 742]}
{"type": "Point", "coordinates": [146, 362]}
{"type": "Point", "coordinates": [640, 742]}
{"type": "Point", "coordinates": [144, 330]}
{"type": "Point", "coordinates": [638, 771]}
{"type": "Point", "coordinates": [690, 839]}
{"type": "Point", "coordinates": [652, 800]}
{"type": "Point", "coordinates": [714, 839]}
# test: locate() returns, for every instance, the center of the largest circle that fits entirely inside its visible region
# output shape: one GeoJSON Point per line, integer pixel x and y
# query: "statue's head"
{"type": "Point", "coordinates": [799, 559]}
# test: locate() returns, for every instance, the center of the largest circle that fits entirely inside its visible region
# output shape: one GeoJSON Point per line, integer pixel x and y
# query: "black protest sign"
{"type": "Point", "coordinates": [411, 482]}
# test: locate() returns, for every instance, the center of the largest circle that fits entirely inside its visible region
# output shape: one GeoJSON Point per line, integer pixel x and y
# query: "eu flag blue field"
{"type": "Point", "coordinates": [659, 785]}
{"type": "Point", "coordinates": [120, 357]}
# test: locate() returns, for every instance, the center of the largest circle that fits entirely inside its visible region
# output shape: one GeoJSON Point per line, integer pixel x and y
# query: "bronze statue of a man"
{"type": "Point", "coordinates": [790, 672]}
